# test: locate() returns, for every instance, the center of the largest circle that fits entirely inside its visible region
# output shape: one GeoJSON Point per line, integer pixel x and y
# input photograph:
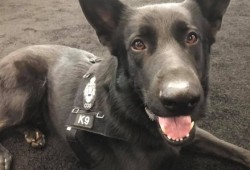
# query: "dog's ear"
{"type": "Point", "coordinates": [104, 16]}
{"type": "Point", "coordinates": [213, 11]}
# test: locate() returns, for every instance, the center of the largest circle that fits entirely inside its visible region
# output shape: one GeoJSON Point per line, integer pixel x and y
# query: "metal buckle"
{"type": "Point", "coordinates": [86, 75]}
{"type": "Point", "coordinates": [69, 128]}
{"type": "Point", "coordinates": [100, 116]}
{"type": "Point", "coordinates": [75, 110]}
{"type": "Point", "coordinates": [92, 60]}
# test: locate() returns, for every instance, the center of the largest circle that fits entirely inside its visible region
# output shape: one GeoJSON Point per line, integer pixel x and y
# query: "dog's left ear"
{"type": "Point", "coordinates": [213, 11]}
{"type": "Point", "coordinates": [104, 16]}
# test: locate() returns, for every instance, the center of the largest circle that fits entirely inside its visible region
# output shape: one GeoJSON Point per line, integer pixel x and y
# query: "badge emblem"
{"type": "Point", "coordinates": [89, 94]}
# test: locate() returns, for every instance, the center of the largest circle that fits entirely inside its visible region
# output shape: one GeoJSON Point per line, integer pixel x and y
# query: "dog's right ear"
{"type": "Point", "coordinates": [213, 11]}
{"type": "Point", "coordinates": [104, 16]}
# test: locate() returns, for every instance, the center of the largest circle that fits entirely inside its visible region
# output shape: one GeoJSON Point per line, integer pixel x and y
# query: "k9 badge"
{"type": "Point", "coordinates": [84, 120]}
{"type": "Point", "coordinates": [89, 94]}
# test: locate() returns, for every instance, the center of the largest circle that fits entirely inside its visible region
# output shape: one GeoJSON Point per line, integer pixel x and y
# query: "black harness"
{"type": "Point", "coordinates": [85, 115]}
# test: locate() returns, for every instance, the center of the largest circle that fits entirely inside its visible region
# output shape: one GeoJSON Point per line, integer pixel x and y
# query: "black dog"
{"type": "Point", "coordinates": [137, 108]}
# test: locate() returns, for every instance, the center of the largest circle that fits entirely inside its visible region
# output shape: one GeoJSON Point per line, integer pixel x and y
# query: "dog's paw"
{"type": "Point", "coordinates": [35, 138]}
{"type": "Point", "coordinates": [5, 159]}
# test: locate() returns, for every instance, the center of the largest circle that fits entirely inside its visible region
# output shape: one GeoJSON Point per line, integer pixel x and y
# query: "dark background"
{"type": "Point", "coordinates": [24, 23]}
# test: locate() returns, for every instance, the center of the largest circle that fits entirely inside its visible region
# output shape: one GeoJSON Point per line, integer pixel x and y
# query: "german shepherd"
{"type": "Point", "coordinates": [151, 89]}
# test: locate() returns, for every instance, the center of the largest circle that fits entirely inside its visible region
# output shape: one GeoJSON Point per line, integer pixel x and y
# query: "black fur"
{"type": "Point", "coordinates": [40, 82]}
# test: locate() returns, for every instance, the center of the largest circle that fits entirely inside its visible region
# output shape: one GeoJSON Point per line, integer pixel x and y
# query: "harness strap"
{"type": "Point", "coordinates": [94, 122]}
{"type": "Point", "coordinates": [78, 149]}
{"type": "Point", "coordinates": [85, 116]}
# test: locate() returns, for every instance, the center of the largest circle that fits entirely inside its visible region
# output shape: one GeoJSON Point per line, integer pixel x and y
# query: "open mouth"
{"type": "Point", "coordinates": [176, 130]}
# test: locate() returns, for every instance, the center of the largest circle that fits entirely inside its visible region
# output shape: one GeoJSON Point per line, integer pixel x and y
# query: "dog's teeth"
{"type": "Point", "coordinates": [177, 140]}
{"type": "Point", "coordinates": [169, 137]}
{"type": "Point", "coordinates": [181, 139]}
{"type": "Point", "coordinates": [187, 135]}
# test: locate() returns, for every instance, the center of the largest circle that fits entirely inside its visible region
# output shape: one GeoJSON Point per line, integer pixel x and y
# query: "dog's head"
{"type": "Point", "coordinates": [162, 50]}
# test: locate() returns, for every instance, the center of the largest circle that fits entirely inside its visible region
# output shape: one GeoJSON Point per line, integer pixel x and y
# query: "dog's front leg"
{"type": "Point", "coordinates": [5, 158]}
{"type": "Point", "coordinates": [205, 142]}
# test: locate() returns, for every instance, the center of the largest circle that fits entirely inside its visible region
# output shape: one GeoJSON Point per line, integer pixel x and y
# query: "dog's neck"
{"type": "Point", "coordinates": [122, 105]}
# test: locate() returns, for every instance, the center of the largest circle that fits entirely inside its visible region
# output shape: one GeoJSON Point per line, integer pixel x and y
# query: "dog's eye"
{"type": "Point", "coordinates": [192, 38]}
{"type": "Point", "coordinates": [138, 45]}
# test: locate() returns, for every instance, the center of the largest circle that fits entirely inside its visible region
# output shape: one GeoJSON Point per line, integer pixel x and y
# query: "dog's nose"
{"type": "Point", "coordinates": [180, 96]}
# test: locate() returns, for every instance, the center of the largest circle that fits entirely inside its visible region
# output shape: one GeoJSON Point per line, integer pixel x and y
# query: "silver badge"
{"type": "Point", "coordinates": [89, 93]}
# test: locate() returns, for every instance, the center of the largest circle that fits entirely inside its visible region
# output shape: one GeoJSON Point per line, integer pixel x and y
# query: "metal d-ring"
{"type": "Point", "coordinates": [100, 116]}
{"type": "Point", "coordinates": [75, 110]}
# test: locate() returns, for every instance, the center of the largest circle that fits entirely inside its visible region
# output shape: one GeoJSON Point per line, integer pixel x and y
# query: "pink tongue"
{"type": "Point", "coordinates": [175, 127]}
